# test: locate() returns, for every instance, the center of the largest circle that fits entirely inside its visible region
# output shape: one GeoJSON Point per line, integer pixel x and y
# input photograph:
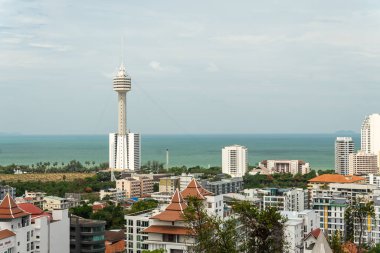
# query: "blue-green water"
{"type": "Point", "coordinates": [189, 150]}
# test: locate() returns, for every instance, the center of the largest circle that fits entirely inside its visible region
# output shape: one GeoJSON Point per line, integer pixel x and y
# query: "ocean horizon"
{"type": "Point", "coordinates": [189, 150]}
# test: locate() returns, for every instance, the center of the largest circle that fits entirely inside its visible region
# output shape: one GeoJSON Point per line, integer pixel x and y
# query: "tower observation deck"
{"type": "Point", "coordinates": [122, 84]}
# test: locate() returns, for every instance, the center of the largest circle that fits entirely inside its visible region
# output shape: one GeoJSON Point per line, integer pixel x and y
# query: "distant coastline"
{"type": "Point", "coordinates": [188, 150]}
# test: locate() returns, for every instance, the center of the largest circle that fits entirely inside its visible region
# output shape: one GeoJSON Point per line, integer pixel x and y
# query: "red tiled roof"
{"type": "Point", "coordinates": [97, 207]}
{"type": "Point", "coordinates": [336, 178]}
{"type": "Point", "coordinates": [5, 233]}
{"type": "Point", "coordinates": [315, 232]}
{"type": "Point", "coordinates": [9, 209]}
{"type": "Point", "coordinates": [114, 236]}
{"type": "Point", "coordinates": [34, 211]}
{"type": "Point", "coordinates": [174, 211]}
{"type": "Point", "coordinates": [171, 230]}
{"type": "Point", "coordinates": [194, 189]}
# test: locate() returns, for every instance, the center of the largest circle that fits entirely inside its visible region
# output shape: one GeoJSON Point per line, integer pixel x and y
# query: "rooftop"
{"type": "Point", "coordinates": [5, 233]}
{"type": "Point", "coordinates": [336, 178]}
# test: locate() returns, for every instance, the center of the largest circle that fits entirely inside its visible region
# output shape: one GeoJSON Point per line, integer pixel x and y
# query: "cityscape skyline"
{"type": "Point", "coordinates": [189, 66]}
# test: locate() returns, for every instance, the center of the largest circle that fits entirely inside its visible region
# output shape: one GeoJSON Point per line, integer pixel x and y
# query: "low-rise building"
{"type": "Point", "coordinates": [112, 193]}
{"type": "Point", "coordinates": [86, 235]}
{"type": "Point", "coordinates": [169, 184]}
{"type": "Point", "coordinates": [54, 202]}
{"type": "Point", "coordinates": [286, 166]}
{"type": "Point", "coordinates": [162, 197]}
{"type": "Point", "coordinates": [6, 189]}
{"type": "Point", "coordinates": [224, 186]}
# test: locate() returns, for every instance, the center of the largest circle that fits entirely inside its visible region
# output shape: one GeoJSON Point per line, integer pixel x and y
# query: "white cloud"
{"type": "Point", "coordinates": [212, 67]}
{"type": "Point", "coordinates": [59, 48]}
{"type": "Point", "coordinates": [155, 65]}
{"type": "Point", "coordinates": [246, 38]}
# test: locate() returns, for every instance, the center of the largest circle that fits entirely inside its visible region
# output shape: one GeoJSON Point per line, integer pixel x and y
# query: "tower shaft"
{"type": "Point", "coordinates": [122, 113]}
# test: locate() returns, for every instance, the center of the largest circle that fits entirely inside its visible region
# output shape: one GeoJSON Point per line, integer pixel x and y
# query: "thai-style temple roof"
{"type": "Point", "coordinates": [174, 211]}
{"type": "Point", "coordinates": [10, 210]}
{"type": "Point", "coordinates": [194, 189]}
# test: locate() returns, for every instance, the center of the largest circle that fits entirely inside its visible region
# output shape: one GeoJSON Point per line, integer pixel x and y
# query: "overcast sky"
{"type": "Point", "coordinates": [196, 66]}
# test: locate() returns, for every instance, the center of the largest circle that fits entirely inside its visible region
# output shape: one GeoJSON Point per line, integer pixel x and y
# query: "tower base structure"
{"type": "Point", "coordinates": [125, 151]}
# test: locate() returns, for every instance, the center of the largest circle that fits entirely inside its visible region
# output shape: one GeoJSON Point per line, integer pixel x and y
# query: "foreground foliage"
{"type": "Point", "coordinates": [255, 230]}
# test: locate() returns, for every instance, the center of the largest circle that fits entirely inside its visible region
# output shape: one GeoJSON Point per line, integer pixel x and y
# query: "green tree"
{"type": "Point", "coordinates": [375, 249]}
{"type": "Point", "coordinates": [349, 225]}
{"type": "Point", "coordinates": [264, 229]}
{"type": "Point", "coordinates": [336, 242]}
{"type": "Point", "coordinates": [360, 211]}
{"type": "Point", "coordinates": [83, 211]}
{"type": "Point", "coordinates": [155, 251]}
{"type": "Point", "coordinates": [212, 234]}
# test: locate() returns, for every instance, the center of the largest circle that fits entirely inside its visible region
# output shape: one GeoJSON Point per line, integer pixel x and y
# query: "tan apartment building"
{"type": "Point", "coordinates": [362, 163]}
{"type": "Point", "coordinates": [169, 184]}
{"type": "Point", "coordinates": [135, 186]}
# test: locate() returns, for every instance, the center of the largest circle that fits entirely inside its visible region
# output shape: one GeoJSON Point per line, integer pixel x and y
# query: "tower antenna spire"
{"type": "Point", "coordinates": [122, 51]}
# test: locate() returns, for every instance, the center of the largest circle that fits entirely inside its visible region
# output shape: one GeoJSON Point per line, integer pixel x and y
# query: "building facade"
{"type": "Point", "coordinates": [235, 160]}
{"type": "Point", "coordinates": [233, 185]}
{"type": "Point", "coordinates": [286, 166]}
{"type": "Point", "coordinates": [370, 134]}
{"type": "Point", "coordinates": [362, 163]}
{"type": "Point", "coordinates": [169, 184]}
{"type": "Point", "coordinates": [135, 186]}
{"type": "Point", "coordinates": [86, 235]}
{"type": "Point", "coordinates": [344, 146]}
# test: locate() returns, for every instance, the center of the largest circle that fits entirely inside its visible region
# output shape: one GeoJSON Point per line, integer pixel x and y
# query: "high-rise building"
{"type": "Point", "coordinates": [235, 160]}
{"type": "Point", "coordinates": [134, 151]}
{"type": "Point", "coordinates": [124, 147]}
{"type": "Point", "coordinates": [362, 163]}
{"type": "Point", "coordinates": [370, 135]}
{"type": "Point", "coordinates": [344, 146]}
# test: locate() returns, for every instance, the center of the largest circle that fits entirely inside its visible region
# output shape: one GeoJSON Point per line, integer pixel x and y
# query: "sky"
{"type": "Point", "coordinates": [197, 67]}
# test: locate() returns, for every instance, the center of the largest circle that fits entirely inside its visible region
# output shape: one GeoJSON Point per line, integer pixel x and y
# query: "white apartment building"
{"type": "Point", "coordinates": [51, 230]}
{"type": "Point", "coordinates": [331, 211]}
{"type": "Point", "coordinates": [285, 166]}
{"type": "Point", "coordinates": [344, 146]}
{"type": "Point", "coordinates": [370, 135]}
{"type": "Point", "coordinates": [235, 160]}
{"type": "Point", "coordinates": [135, 237]}
{"type": "Point", "coordinates": [285, 199]}
{"type": "Point", "coordinates": [298, 226]}
{"type": "Point", "coordinates": [373, 179]}
{"type": "Point", "coordinates": [362, 163]}
{"type": "Point", "coordinates": [184, 180]}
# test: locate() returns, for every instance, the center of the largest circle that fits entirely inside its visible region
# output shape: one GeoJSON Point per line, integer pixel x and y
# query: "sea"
{"type": "Point", "coordinates": [189, 150]}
